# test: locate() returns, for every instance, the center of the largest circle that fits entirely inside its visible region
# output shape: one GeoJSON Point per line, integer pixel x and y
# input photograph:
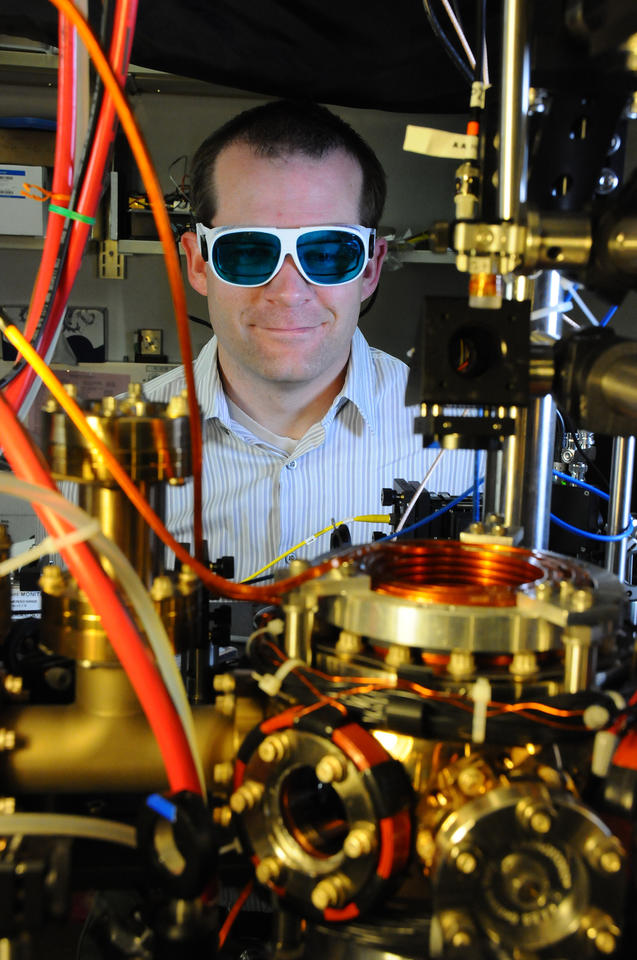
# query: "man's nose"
{"type": "Point", "coordinates": [288, 286]}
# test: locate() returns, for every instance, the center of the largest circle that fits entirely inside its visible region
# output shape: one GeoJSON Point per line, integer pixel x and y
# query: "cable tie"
{"type": "Point", "coordinates": [162, 806]}
{"type": "Point", "coordinates": [71, 214]}
{"type": "Point", "coordinates": [50, 545]}
{"type": "Point", "coordinates": [271, 683]}
{"type": "Point", "coordinates": [29, 188]}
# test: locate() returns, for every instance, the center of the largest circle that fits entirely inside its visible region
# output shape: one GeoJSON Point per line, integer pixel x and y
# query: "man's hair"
{"type": "Point", "coordinates": [279, 129]}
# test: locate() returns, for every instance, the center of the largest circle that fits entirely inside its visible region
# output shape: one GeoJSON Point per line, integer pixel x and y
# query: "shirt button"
{"type": "Point", "coordinates": [291, 465]}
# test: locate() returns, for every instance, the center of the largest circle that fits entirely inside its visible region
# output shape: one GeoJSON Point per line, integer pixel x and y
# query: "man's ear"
{"type": "Point", "coordinates": [197, 270]}
{"type": "Point", "coordinates": [371, 274]}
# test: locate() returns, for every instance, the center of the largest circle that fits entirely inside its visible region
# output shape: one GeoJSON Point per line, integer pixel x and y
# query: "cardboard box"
{"type": "Point", "coordinates": [20, 215]}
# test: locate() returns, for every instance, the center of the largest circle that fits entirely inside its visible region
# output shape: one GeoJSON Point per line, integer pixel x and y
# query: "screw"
{"type": "Point", "coordinates": [540, 822]}
{"type": "Point", "coordinates": [161, 589]}
{"type": "Point", "coordinates": [246, 797]}
{"type": "Point", "coordinates": [225, 704]}
{"type": "Point", "coordinates": [274, 748]}
{"type": "Point", "coordinates": [359, 841]}
{"type": "Point", "coordinates": [471, 781]}
{"type": "Point", "coordinates": [51, 580]}
{"type": "Point", "coordinates": [330, 892]}
{"type": "Point", "coordinates": [460, 939]}
{"type": "Point", "coordinates": [222, 816]}
{"type": "Point", "coordinates": [605, 942]}
{"type": "Point", "coordinates": [582, 599]}
{"type": "Point", "coordinates": [13, 684]}
{"type": "Point", "coordinates": [466, 862]}
{"type": "Point", "coordinates": [222, 772]}
{"type": "Point", "coordinates": [223, 683]}
{"type": "Point", "coordinates": [610, 861]}
{"type": "Point", "coordinates": [331, 769]}
{"type": "Point", "coordinates": [268, 870]}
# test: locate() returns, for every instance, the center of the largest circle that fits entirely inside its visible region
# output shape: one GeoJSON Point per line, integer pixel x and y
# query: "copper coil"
{"type": "Point", "coordinates": [451, 572]}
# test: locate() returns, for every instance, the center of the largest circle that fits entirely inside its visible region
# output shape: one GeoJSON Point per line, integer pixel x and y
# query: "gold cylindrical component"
{"type": "Point", "coordinates": [331, 769]}
{"type": "Point", "coordinates": [152, 445]}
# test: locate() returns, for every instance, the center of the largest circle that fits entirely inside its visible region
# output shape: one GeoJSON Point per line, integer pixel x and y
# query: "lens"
{"type": "Point", "coordinates": [246, 258]}
{"type": "Point", "coordinates": [331, 256]}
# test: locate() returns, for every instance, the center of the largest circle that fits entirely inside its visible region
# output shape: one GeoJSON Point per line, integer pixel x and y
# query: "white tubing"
{"type": "Point", "coordinates": [67, 825]}
{"type": "Point", "coordinates": [133, 587]}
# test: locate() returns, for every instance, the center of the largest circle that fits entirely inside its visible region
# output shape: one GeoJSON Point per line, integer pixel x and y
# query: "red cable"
{"type": "Point", "coordinates": [62, 181]}
{"type": "Point", "coordinates": [27, 464]}
{"type": "Point", "coordinates": [89, 196]}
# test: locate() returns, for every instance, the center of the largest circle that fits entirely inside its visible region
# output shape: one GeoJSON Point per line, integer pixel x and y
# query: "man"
{"type": "Point", "coordinates": [303, 423]}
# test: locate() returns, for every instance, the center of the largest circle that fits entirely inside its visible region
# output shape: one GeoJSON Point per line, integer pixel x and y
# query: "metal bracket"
{"type": "Point", "coordinates": [111, 263]}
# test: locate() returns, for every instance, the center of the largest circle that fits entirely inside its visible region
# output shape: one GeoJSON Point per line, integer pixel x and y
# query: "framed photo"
{"type": "Point", "coordinates": [84, 329]}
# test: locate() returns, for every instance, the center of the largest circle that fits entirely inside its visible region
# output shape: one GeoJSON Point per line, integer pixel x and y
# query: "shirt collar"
{"type": "Point", "coordinates": [359, 383]}
{"type": "Point", "coordinates": [358, 387]}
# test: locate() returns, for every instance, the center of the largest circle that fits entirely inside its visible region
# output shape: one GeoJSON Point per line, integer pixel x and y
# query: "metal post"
{"type": "Point", "coordinates": [621, 488]}
{"type": "Point", "coordinates": [514, 102]}
{"type": "Point", "coordinates": [537, 478]}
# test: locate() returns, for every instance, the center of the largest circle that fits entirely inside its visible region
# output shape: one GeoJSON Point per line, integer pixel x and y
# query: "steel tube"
{"type": "Point", "coordinates": [514, 102]}
{"type": "Point", "coordinates": [537, 476]}
{"type": "Point", "coordinates": [621, 486]}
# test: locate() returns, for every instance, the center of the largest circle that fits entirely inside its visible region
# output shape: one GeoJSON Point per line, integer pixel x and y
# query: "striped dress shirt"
{"type": "Point", "coordinates": [259, 501]}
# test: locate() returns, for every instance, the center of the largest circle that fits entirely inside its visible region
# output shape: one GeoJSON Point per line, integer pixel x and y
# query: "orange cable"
{"type": "Point", "coordinates": [234, 912]}
{"type": "Point", "coordinates": [173, 267]}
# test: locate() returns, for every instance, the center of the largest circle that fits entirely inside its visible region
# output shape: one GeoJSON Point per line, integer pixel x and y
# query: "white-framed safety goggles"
{"type": "Point", "coordinates": [252, 256]}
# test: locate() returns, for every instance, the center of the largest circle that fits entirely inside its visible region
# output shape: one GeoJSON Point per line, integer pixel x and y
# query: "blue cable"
{"type": "Point", "coordinates": [581, 483]}
{"type": "Point", "coordinates": [602, 537]}
{"type": "Point", "coordinates": [609, 316]}
{"type": "Point", "coordinates": [476, 487]}
{"type": "Point", "coordinates": [432, 516]}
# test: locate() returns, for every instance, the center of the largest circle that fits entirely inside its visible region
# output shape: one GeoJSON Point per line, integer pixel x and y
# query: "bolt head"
{"type": "Point", "coordinates": [466, 862]}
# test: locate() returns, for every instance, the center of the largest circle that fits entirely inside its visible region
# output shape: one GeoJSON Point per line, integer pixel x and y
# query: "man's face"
{"type": "Point", "coordinates": [289, 330]}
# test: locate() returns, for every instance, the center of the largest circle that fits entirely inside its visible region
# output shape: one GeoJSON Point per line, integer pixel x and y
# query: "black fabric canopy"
{"type": "Point", "coordinates": [361, 53]}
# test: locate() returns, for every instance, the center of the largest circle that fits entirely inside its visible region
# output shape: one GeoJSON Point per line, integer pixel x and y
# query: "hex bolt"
{"type": "Point", "coordinates": [466, 862]}
{"type": "Point", "coordinates": [246, 797]}
{"type": "Point", "coordinates": [536, 817]}
{"type": "Point", "coordinates": [331, 892]}
{"type": "Point", "coordinates": [610, 861]}
{"type": "Point", "coordinates": [222, 816]}
{"type": "Point", "coordinates": [177, 406]}
{"type": "Point", "coordinates": [523, 664]}
{"type": "Point", "coordinates": [224, 683]}
{"type": "Point", "coordinates": [225, 704]}
{"type": "Point", "coordinates": [161, 589]}
{"type": "Point", "coordinates": [471, 781]}
{"type": "Point", "coordinates": [425, 846]}
{"type": "Point", "coordinates": [461, 938]}
{"type": "Point", "coordinates": [274, 748]}
{"type": "Point", "coordinates": [7, 739]}
{"type": "Point", "coordinates": [582, 600]}
{"type": "Point", "coordinates": [187, 581]}
{"type": "Point", "coordinates": [540, 822]}
{"type": "Point", "coordinates": [268, 870]}
{"type": "Point", "coordinates": [51, 580]}
{"type": "Point", "coordinates": [360, 841]}
{"type": "Point", "coordinates": [348, 644]}
{"type": "Point", "coordinates": [543, 590]}
{"type": "Point", "coordinates": [222, 772]}
{"type": "Point", "coordinates": [13, 684]}
{"type": "Point", "coordinates": [605, 941]}
{"type": "Point", "coordinates": [397, 656]}
{"type": "Point", "coordinates": [461, 664]}
{"type": "Point", "coordinates": [331, 769]}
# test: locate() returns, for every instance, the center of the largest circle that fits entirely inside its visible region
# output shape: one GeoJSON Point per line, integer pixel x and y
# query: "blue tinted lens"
{"type": "Point", "coordinates": [331, 256]}
{"type": "Point", "coordinates": [246, 258]}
